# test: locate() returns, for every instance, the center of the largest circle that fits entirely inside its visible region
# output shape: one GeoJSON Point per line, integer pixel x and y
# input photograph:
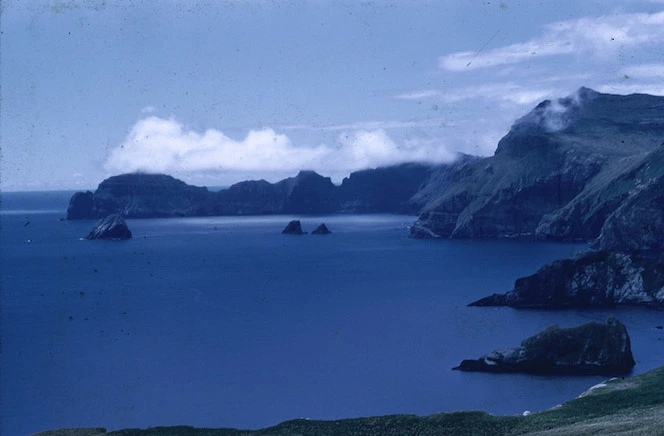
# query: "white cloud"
{"type": "Point", "coordinates": [164, 145]}
{"type": "Point", "coordinates": [598, 37]}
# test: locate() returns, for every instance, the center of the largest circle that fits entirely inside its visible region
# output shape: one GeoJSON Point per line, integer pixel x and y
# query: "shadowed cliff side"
{"type": "Point", "coordinates": [559, 154]}
{"type": "Point", "coordinates": [380, 190]}
{"type": "Point", "coordinates": [594, 279]}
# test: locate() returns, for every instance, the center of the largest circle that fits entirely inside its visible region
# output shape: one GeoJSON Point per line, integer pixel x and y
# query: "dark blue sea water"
{"type": "Point", "coordinates": [225, 322]}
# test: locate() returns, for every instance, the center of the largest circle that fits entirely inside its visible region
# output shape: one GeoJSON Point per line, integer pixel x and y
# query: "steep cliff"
{"type": "Point", "coordinates": [584, 216]}
{"type": "Point", "coordinates": [548, 159]}
{"type": "Point", "coordinates": [379, 190]}
{"type": "Point", "coordinates": [638, 223]}
{"type": "Point", "coordinates": [603, 278]}
{"type": "Point", "coordinates": [306, 193]}
{"type": "Point", "coordinates": [146, 196]}
{"type": "Point", "coordinates": [387, 189]}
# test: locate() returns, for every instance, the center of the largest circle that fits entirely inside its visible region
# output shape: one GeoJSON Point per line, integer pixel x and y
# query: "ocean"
{"type": "Point", "coordinates": [225, 322]}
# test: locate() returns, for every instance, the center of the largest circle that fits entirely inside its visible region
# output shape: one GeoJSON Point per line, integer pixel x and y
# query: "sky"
{"type": "Point", "coordinates": [216, 92]}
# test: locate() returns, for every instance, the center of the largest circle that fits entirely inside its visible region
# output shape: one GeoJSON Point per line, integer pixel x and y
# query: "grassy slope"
{"type": "Point", "coordinates": [633, 406]}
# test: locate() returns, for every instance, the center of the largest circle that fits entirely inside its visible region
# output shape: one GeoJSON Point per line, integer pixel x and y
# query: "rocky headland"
{"type": "Point", "coordinates": [593, 279]}
{"type": "Point", "coordinates": [592, 348]}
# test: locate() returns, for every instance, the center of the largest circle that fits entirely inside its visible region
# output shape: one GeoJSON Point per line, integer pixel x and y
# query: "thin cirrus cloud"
{"type": "Point", "coordinates": [600, 37]}
{"type": "Point", "coordinates": [156, 144]}
{"type": "Point", "coordinates": [508, 92]}
{"type": "Point", "coordinates": [653, 70]}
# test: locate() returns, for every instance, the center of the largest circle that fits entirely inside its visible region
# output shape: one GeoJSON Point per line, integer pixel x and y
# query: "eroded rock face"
{"type": "Point", "coordinates": [591, 348]}
{"type": "Point", "coordinates": [593, 279]}
{"type": "Point", "coordinates": [293, 228]}
{"type": "Point", "coordinates": [321, 230]}
{"type": "Point", "coordinates": [112, 227]}
{"type": "Point", "coordinates": [638, 224]}
{"type": "Point", "coordinates": [625, 180]}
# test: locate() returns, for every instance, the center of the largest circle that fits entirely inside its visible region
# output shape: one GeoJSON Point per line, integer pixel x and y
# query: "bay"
{"type": "Point", "coordinates": [225, 322]}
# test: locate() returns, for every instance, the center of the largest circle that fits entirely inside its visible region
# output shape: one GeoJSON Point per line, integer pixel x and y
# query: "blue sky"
{"type": "Point", "coordinates": [215, 92]}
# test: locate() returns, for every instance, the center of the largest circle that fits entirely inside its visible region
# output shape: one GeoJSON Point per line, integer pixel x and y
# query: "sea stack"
{"type": "Point", "coordinates": [293, 228]}
{"type": "Point", "coordinates": [591, 348]}
{"type": "Point", "coordinates": [112, 227]}
{"type": "Point", "coordinates": [321, 230]}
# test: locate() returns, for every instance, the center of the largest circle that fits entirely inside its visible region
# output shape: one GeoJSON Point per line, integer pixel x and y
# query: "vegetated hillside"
{"type": "Point", "coordinates": [618, 406]}
{"type": "Point", "coordinates": [548, 170]}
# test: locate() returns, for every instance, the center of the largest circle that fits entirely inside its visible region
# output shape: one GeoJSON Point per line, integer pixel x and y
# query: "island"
{"type": "Point", "coordinates": [591, 348]}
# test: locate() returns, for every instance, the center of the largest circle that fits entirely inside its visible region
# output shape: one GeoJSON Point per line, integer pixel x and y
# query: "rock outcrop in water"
{"type": "Point", "coordinates": [321, 230]}
{"type": "Point", "coordinates": [293, 228]}
{"type": "Point", "coordinates": [594, 279]}
{"type": "Point", "coordinates": [592, 348]}
{"type": "Point", "coordinates": [112, 227]}
{"type": "Point", "coordinates": [558, 174]}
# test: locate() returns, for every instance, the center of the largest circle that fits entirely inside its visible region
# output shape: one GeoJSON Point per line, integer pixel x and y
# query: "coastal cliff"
{"type": "Point", "coordinates": [379, 190]}
{"type": "Point", "coordinates": [561, 170]}
{"type": "Point", "coordinates": [593, 279]}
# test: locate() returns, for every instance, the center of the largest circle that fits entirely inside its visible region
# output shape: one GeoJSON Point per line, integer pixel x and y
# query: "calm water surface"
{"type": "Point", "coordinates": [224, 322]}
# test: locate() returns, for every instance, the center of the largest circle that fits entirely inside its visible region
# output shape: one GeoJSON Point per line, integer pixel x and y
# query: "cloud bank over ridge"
{"type": "Point", "coordinates": [156, 144]}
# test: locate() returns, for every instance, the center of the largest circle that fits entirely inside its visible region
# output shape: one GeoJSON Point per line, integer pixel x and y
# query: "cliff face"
{"type": "Point", "coordinates": [381, 190]}
{"type": "Point", "coordinates": [584, 216]}
{"type": "Point", "coordinates": [603, 278]}
{"type": "Point", "coordinates": [307, 193]}
{"type": "Point", "coordinates": [556, 156]}
{"type": "Point", "coordinates": [638, 223]}
{"type": "Point", "coordinates": [591, 348]}
{"type": "Point", "coordinates": [147, 196]}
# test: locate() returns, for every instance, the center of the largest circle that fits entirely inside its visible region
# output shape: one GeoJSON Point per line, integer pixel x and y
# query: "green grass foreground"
{"type": "Point", "coordinates": [631, 406]}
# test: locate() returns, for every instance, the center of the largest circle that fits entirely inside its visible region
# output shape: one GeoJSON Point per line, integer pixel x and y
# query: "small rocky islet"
{"type": "Point", "coordinates": [294, 227]}
{"type": "Point", "coordinates": [592, 348]}
{"type": "Point", "coordinates": [113, 227]}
